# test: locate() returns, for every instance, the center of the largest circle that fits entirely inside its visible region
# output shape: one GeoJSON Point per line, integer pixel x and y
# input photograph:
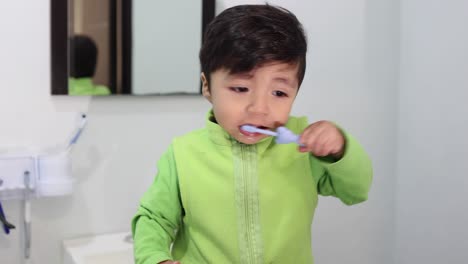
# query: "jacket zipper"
{"type": "Point", "coordinates": [246, 176]}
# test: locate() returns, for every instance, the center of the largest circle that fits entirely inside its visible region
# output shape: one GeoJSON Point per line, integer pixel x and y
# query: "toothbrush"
{"type": "Point", "coordinates": [6, 225]}
{"type": "Point", "coordinates": [282, 134]}
{"type": "Point", "coordinates": [79, 130]}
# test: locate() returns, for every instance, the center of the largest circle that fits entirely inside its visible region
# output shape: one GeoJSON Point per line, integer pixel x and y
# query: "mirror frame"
{"type": "Point", "coordinates": [59, 51]}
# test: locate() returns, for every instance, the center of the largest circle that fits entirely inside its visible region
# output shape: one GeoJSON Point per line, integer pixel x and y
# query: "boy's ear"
{"type": "Point", "coordinates": [205, 87]}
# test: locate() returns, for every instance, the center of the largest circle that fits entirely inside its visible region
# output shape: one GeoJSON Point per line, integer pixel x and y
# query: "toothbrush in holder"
{"type": "Point", "coordinates": [78, 131]}
{"type": "Point", "coordinates": [282, 134]}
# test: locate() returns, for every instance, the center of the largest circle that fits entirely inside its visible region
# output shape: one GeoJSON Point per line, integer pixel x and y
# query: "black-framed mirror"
{"type": "Point", "coordinates": [127, 47]}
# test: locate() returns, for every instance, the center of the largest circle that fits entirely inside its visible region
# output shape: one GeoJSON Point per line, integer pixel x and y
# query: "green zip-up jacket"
{"type": "Point", "coordinates": [221, 201]}
{"type": "Point", "coordinates": [85, 86]}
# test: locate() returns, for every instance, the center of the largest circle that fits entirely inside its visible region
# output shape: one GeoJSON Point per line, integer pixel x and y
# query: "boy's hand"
{"type": "Point", "coordinates": [322, 139]}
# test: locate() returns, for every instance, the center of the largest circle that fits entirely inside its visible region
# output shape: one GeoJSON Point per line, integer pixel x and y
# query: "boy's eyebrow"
{"type": "Point", "coordinates": [248, 76]}
{"type": "Point", "coordinates": [244, 75]}
{"type": "Point", "coordinates": [286, 81]}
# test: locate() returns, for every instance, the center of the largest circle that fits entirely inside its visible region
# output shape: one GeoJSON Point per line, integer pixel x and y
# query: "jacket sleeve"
{"type": "Point", "coordinates": [155, 225]}
{"type": "Point", "coordinates": [349, 178]}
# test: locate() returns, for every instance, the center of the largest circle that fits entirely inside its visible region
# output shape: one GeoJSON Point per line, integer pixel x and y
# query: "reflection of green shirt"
{"type": "Point", "coordinates": [221, 201]}
{"type": "Point", "coordinates": [85, 86]}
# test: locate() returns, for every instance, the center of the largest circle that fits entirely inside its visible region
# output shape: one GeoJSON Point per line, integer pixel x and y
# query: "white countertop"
{"type": "Point", "coordinates": [116, 248]}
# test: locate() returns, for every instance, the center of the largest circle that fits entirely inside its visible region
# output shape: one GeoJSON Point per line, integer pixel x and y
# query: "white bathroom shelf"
{"type": "Point", "coordinates": [15, 173]}
{"type": "Point", "coordinates": [38, 174]}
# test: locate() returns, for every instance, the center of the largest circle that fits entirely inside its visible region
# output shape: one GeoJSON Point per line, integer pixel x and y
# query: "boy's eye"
{"type": "Point", "coordinates": [239, 89]}
{"type": "Point", "coordinates": [279, 94]}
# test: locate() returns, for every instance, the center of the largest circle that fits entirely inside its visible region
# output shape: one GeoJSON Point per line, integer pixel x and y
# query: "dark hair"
{"type": "Point", "coordinates": [246, 36]}
{"type": "Point", "coordinates": [83, 57]}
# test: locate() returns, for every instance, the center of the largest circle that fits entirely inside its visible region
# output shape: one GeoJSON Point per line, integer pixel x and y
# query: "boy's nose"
{"type": "Point", "coordinates": [258, 105]}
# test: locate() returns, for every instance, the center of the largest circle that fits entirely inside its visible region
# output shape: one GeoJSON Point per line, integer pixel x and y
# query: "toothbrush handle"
{"type": "Point", "coordinates": [27, 239]}
{"type": "Point", "coordinates": [266, 132]}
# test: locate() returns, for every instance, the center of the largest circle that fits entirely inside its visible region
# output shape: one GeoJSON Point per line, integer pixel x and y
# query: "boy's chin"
{"type": "Point", "coordinates": [248, 140]}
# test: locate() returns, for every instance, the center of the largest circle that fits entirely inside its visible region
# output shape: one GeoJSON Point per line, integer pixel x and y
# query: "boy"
{"type": "Point", "coordinates": [225, 195]}
{"type": "Point", "coordinates": [83, 62]}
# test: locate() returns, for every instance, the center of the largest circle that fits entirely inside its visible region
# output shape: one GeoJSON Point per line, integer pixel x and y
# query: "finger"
{"type": "Point", "coordinates": [328, 143]}
{"type": "Point", "coordinates": [336, 148]}
{"type": "Point", "coordinates": [310, 134]}
{"type": "Point", "coordinates": [319, 143]}
{"type": "Point", "coordinates": [321, 146]}
{"type": "Point", "coordinates": [312, 144]}
{"type": "Point", "coordinates": [333, 144]}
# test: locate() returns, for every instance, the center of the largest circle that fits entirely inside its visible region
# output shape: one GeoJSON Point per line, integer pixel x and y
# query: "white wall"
{"type": "Point", "coordinates": [433, 126]}
{"type": "Point", "coordinates": [114, 162]}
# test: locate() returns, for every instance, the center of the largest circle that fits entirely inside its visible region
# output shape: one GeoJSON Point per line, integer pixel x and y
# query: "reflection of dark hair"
{"type": "Point", "coordinates": [246, 36]}
{"type": "Point", "coordinates": [83, 56]}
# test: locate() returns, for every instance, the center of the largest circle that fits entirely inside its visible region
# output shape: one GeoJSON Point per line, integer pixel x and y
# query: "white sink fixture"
{"type": "Point", "coordinates": [114, 248]}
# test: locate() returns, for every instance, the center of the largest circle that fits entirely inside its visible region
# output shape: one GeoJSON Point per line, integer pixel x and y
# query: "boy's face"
{"type": "Point", "coordinates": [262, 97]}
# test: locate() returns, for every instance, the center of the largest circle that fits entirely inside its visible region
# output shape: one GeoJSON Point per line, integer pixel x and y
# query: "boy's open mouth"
{"type": "Point", "coordinates": [253, 134]}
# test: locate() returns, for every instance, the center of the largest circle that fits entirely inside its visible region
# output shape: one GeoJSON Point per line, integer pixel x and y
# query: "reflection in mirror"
{"type": "Point", "coordinates": [139, 47]}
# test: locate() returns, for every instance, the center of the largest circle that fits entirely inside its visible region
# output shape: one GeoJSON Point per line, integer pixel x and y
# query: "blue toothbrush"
{"type": "Point", "coordinates": [6, 225]}
{"type": "Point", "coordinates": [282, 134]}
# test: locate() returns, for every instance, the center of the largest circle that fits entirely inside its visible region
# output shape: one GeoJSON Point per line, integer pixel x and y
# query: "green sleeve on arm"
{"type": "Point", "coordinates": [349, 178]}
{"type": "Point", "coordinates": [158, 217]}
